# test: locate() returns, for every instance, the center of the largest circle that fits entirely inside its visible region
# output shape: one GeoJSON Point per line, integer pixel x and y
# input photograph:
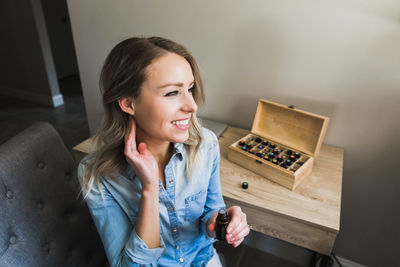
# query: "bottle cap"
{"type": "Point", "coordinates": [245, 185]}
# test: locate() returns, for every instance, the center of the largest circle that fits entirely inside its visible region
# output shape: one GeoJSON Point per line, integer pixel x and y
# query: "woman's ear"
{"type": "Point", "coordinates": [127, 105]}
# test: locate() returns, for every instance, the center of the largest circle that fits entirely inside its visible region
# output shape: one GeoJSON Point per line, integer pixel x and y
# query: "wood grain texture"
{"type": "Point", "coordinates": [295, 128]}
{"type": "Point", "coordinates": [286, 229]}
{"type": "Point", "coordinates": [309, 216]}
{"type": "Point", "coordinates": [86, 146]}
{"type": "Point", "coordinates": [284, 177]}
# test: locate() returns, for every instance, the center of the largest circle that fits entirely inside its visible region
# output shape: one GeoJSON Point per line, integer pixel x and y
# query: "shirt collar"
{"type": "Point", "coordinates": [178, 150]}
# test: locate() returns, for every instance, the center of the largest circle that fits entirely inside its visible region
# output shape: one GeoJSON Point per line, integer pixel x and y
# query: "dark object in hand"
{"type": "Point", "coordinates": [222, 224]}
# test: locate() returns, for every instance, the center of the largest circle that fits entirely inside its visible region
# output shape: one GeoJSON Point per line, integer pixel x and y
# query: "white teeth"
{"type": "Point", "coordinates": [181, 122]}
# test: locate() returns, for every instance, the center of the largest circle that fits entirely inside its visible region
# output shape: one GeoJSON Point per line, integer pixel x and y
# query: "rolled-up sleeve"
{"type": "Point", "coordinates": [139, 252]}
{"type": "Point", "coordinates": [214, 200]}
{"type": "Point", "coordinates": [122, 244]}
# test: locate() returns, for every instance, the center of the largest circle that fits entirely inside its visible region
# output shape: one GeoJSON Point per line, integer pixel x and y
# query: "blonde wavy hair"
{"type": "Point", "coordinates": [122, 75]}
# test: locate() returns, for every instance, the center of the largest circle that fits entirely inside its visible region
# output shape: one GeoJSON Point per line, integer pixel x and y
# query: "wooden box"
{"type": "Point", "coordinates": [282, 144]}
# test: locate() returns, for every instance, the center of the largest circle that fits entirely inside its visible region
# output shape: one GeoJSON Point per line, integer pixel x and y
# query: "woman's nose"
{"type": "Point", "coordinates": [189, 105]}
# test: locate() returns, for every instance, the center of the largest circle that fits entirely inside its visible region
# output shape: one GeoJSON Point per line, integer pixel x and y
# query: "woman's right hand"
{"type": "Point", "coordinates": [140, 158]}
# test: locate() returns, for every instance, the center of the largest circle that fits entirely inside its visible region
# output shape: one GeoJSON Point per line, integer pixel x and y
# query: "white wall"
{"type": "Point", "coordinates": [335, 58]}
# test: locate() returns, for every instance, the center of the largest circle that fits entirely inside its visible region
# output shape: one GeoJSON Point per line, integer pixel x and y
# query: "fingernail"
{"type": "Point", "coordinates": [229, 229]}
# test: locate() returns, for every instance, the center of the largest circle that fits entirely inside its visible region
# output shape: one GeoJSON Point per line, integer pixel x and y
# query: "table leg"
{"type": "Point", "coordinates": [320, 260]}
{"type": "Point", "coordinates": [326, 261]}
{"type": "Point", "coordinates": [314, 259]}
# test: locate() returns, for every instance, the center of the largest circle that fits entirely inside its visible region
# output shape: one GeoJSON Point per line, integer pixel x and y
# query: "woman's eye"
{"type": "Point", "coordinates": [191, 90]}
{"type": "Point", "coordinates": [173, 93]}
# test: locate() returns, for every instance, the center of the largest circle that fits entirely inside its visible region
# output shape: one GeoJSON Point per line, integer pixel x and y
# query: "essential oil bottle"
{"type": "Point", "coordinates": [222, 224]}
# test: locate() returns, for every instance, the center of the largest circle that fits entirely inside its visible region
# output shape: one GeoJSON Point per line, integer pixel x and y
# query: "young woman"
{"type": "Point", "coordinates": [152, 185]}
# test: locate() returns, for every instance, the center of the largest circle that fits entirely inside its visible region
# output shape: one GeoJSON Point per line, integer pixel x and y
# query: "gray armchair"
{"type": "Point", "coordinates": [43, 222]}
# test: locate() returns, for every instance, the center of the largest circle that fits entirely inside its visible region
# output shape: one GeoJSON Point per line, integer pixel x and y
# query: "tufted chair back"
{"type": "Point", "coordinates": [43, 222]}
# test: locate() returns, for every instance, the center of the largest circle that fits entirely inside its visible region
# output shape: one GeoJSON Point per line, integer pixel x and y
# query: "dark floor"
{"type": "Point", "coordinates": [71, 122]}
{"type": "Point", "coordinates": [69, 119]}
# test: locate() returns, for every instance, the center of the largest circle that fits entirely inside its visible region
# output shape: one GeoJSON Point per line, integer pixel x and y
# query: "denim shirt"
{"type": "Point", "coordinates": [184, 206]}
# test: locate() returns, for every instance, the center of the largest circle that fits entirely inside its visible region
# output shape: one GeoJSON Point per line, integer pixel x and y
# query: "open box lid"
{"type": "Point", "coordinates": [298, 129]}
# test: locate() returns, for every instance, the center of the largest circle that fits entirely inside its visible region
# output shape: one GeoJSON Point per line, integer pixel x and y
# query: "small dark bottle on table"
{"type": "Point", "coordinates": [222, 224]}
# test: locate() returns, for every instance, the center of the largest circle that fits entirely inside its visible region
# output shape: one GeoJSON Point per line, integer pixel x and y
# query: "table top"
{"type": "Point", "coordinates": [316, 201]}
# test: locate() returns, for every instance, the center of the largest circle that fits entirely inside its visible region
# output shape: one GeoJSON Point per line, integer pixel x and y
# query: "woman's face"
{"type": "Point", "coordinates": [165, 104]}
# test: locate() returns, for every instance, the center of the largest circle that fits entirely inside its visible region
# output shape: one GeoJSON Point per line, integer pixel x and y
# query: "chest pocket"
{"type": "Point", "coordinates": [194, 205]}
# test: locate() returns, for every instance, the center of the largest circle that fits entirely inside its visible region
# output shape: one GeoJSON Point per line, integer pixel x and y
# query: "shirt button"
{"type": "Point", "coordinates": [180, 259]}
{"type": "Point", "coordinates": [171, 209]}
{"type": "Point", "coordinates": [174, 230]}
{"type": "Point", "coordinates": [13, 240]}
{"type": "Point", "coordinates": [9, 194]}
{"type": "Point", "coordinates": [177, 247]}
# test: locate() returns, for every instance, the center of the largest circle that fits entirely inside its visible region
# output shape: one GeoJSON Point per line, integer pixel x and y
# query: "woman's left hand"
{"type": "Point", "coordinates": [237, 229]}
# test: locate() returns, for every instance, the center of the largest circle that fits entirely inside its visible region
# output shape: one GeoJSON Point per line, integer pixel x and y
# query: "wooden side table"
{"type": "Point", "coordinates": [308, 217]}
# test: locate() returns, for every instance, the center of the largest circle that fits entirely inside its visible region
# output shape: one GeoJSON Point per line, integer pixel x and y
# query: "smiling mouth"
{"type": "Point", "coordinates": [181, 122]}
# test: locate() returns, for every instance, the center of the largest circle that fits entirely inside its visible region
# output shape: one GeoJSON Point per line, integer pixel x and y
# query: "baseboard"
{"type": "Point", "coordinates": [52, 101]}
{"type": "Point", "coordinates": [58, 100]}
